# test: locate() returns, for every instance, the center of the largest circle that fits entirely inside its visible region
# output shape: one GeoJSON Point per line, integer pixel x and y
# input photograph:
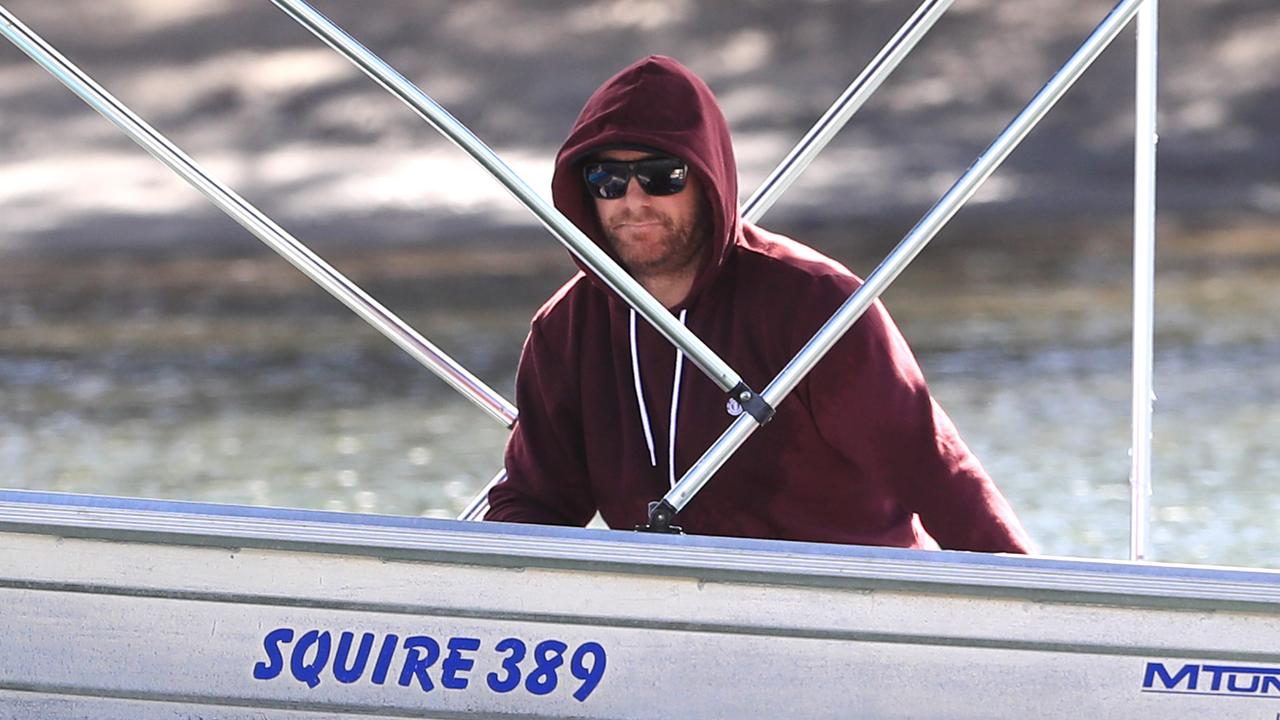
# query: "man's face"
{"type": "Point", "coordinates": [653, 236]}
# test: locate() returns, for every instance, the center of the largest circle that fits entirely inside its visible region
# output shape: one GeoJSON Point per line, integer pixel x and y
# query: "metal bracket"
{"type": "Point", "coordinates": [661, 513]}
{"type": "Point", "coordinates": [753, 403]}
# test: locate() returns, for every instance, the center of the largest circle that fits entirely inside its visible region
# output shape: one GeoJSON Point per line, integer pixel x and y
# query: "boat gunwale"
{"type": "Point", "coordinates": [722, 559]}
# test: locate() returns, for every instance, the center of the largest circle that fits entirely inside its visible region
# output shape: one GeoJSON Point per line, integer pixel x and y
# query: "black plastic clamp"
{"type": "Point", "coordinates": [661, 513]}
{"type": "Point", "coordinates": [753, 403]}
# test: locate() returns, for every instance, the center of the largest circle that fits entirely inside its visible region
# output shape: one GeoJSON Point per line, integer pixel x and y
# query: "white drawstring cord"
{"type": "Point", "coordinates": [644, 414]}
{"type": "Point", "coordinates": [675, 402]}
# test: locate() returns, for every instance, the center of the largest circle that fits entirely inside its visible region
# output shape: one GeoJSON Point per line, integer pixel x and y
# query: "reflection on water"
{"type": "Point", "coordinates": [235, 381]}
{"type": "Point", "coordinates": [306, 435]}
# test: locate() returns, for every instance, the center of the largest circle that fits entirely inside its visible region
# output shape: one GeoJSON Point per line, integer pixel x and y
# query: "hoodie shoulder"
{"type": "Point", "coordinates": [561, 302]}
{"type": "Point", "coordinates": [786, 260]}
{"type": "Point", "coordinates": [579, 312]}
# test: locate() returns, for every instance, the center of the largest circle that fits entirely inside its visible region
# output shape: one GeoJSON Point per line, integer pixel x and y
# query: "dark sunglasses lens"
{"type": "Point", "coordinates": [607, 181]}
{"type": "Point", "coordinates": [657, 176]}
{"type": "Point", "coordinates": [663, 176]}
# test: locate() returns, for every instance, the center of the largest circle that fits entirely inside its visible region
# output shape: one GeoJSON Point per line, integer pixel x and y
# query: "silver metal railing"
{"type": "Point", "coordinates": [697, 476]}
{"type": "Point", "coordinates": [255, 221]}
{"type": "Point", "coordinates": [1144, 260]}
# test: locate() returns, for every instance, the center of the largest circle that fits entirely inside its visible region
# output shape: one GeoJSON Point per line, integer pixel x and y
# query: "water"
{"type": "Point", "coordinates": [232, 379]}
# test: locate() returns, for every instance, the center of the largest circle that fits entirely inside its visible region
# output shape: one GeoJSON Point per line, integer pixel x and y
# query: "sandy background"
{"type": "Point", "coordinates": [318, 146]}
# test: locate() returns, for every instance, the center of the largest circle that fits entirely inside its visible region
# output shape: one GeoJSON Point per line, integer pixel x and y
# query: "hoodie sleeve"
{"type": "Point", "coordinates": [546, 475]}
{"type": "Point", "coordinates": [870, 401]}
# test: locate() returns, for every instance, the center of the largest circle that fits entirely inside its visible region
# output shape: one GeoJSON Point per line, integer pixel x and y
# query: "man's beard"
{"type": "Point", "coordinates": [676, 248]}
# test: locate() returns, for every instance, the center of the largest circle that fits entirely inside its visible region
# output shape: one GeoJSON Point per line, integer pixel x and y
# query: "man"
{"type": "Point", "coordinates": [611, 415]}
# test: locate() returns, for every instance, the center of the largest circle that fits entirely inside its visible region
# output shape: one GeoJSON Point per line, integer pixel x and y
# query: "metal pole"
{"type": "Point", "coordinates": [573, 238]}
{"type": "Point", "coordinates": [808, 148]}
{"type": "Point", "coordinates": [849, 102]}
{"type": "Point", "coordinates": [902, 255]}
{"type": "Point", "coordinates": [1144, 249]}
{"type": "Point", "coordinates": [479, 505]}
{"type": "Point", "coordinates": [255, 221]}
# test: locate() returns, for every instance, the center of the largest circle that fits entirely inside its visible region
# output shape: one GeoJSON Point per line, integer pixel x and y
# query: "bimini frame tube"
{"type": "Point", "coordinates": [479, 505]}
{"type": "Point", "coordinates": [840, 112]}
{"type": "Point", "coordinates": [813, 142]}
{"type": "Point", "coordinates": [256, 222]}
{"type": "Point", "coordinates": [568, 234]}
{"type": "Point", "coordinates": [1144, 264]}
{"type": "Point", "coordinates": [662, 512]}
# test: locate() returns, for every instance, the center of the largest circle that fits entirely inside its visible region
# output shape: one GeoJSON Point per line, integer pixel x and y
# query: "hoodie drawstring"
{"type": "Point", "coordinates": [675, 402]}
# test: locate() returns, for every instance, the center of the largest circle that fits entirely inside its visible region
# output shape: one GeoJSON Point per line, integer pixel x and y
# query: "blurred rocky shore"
{"type": "Point", "coordinates": [299, 132]}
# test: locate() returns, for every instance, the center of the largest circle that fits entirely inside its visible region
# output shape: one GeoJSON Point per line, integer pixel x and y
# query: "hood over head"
{"type": "Point", "coordinates": [660, 104]}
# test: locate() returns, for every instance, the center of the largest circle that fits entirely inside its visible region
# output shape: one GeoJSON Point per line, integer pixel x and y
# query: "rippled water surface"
{"type": "Point", "coordinates": [234, 380]}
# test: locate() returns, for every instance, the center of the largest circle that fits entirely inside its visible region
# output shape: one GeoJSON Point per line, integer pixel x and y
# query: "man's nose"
{"type": "Point", "coordinates": [635, 196]}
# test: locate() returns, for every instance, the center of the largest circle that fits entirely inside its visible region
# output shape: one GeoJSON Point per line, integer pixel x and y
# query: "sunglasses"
{"type": "Point", "coordinates": [607, 179]}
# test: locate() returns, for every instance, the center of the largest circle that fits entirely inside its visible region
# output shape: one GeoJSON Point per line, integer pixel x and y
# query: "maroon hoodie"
{"type": "Point", "coordinates": [858, 453]}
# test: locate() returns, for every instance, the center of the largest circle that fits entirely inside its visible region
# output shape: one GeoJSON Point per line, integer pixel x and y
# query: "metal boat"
{"type": "Point", "coordinates": [121, 608]}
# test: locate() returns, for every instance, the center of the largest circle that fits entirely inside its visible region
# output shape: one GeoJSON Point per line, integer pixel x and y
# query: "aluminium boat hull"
{"type": "Point", "coordinates": [117, 608]}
